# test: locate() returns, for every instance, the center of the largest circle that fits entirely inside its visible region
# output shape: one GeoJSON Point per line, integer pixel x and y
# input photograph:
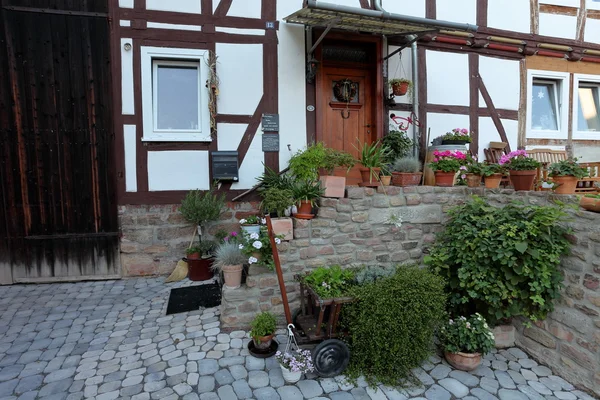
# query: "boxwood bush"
{"type": "Point", "coordinates": [391, 325]}
{"type": "Point", "coordinates": [501, 262]}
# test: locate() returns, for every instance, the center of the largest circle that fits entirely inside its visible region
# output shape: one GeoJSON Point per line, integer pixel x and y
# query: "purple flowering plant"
{"type": "Point", "coordinates": [296, 361]}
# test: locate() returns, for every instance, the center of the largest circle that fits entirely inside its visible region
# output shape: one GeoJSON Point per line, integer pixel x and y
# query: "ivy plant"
{"type": "Point", "coordinates": [501, 262]}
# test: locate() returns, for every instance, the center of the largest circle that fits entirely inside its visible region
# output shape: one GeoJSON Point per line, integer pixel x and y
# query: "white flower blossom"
{"type": "Point", "coordinates": [263, 221]}
{"type": "Point", "coordinates": [252, 260]}
{"type": "Point", "coordinates": [451, 322]}
{"type": "Point", "coordinates": [242, 221]}
{"type": "Point", "coordinates": [277, 240]}
{"type": "Point", "coordinates": [241, 246]}
{"type": "Point", "coordinates": [468, 325]}
{"type": "Point", "coordinates": [257, 244]}
{"type": "Point", "coordinates": [254, 235]}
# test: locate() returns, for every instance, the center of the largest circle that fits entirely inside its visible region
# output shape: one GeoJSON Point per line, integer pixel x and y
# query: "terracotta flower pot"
{"type": "Point", "coordinates": [263, 342]}
{"type": "Point", "coordinates": [385, 180]}
{"type": "Point", "coordinates": [523, 180]}
{"type": "Point", "coordinates": [304, 210]}
{"type": "Point", "coordinates": [232, 274]}
{"type": "Point", "coordinates": [200, 270]}
{"type": "Point", "coordinates": [492, 181]}
{"type": "Point", "coordinates": [473, 180]}
{"type": "Point", "coordinates": [406, 179]}
{"type": "Point", "coordinates": [369, 175]}
{"type": "Point", "coordinates": [567, 184]}
{"type": "Point", "coordinates": [590, 204]}
{"type": "Point", "coordinates": [444, 178]}
{"type": "Point", "coordinates": [463, 361]}
{"type": "Point", "coordinates": [400, 89]}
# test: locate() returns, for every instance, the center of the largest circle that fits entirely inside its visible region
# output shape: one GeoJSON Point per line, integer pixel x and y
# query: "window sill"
{"type": "Point", "coordinates": [595, 135]}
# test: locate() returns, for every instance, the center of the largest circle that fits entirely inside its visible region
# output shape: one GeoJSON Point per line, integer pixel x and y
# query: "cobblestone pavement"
{"type": "Point", "coordinates": [112, 340]}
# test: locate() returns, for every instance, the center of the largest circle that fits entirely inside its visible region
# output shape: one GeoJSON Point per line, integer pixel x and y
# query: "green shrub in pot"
{"type": "Point", "coordinates": [263, 328]}
{"type": "Point", "coordinates": [277, 200]}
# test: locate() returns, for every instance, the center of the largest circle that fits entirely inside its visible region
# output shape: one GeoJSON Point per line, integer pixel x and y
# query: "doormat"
{"type": "Point", "coordinates": [193, 297]}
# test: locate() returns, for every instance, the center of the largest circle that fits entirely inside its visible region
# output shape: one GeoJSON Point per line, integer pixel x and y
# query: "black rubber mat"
{"type": "Point", "coordinates": [193, 297]}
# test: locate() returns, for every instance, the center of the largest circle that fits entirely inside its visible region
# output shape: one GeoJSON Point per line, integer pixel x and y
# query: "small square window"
{"type": "Point", "coordinates": [545, 106]}
{"type": "Point", "coordinates": [588, 119]}
{"type": "Point", "coordinates": [176, 96]}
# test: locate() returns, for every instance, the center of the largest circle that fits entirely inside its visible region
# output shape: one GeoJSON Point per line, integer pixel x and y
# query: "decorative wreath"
{"type": "Point", "coordinates": [345, 90]}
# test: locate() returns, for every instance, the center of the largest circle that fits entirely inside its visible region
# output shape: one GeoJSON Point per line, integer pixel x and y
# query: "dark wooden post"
{"type": "Point", "coordinates": [286, 305]}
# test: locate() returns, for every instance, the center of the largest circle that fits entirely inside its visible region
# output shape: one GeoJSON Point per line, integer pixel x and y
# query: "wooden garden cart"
{"type": "Point", "coordinates": [316, 322]}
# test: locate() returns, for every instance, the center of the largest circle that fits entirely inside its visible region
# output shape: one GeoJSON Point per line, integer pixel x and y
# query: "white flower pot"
{"type": "Point", "coordinates": [289, 376]}
{"type": "Point", "coordinates": [251, 229]}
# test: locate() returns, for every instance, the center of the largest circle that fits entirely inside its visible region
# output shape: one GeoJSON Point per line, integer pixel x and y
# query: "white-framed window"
{"type": "Point", "coordinates": [586, 106]}
{"type": "Point", "coordinates": [174, 97]}
{"type": "Point", "coordinates": [593, 4]}
{"type": "Point", "coordinates": [547, 104]}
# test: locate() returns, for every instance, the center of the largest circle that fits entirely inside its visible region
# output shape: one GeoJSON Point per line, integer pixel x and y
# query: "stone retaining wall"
{"type": "Point", "coordinates": [353, 231]}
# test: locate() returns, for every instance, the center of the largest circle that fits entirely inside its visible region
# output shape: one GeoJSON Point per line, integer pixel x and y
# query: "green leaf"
{"type": "Point", "coordinates": [521, 247]}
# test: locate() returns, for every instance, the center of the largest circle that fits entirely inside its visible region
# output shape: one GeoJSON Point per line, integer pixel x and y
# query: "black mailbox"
{"type": "Point", "coordinates": [225, 165]}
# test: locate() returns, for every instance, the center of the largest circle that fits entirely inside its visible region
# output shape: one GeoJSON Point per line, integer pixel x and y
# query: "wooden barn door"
{"type": "Point", "coordinates": [58, 216]}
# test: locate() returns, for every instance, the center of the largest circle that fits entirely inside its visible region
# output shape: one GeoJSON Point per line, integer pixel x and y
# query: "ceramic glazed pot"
{"type": "Point", "coordinates": [251, 228]}
{"type": "Point", "coordinates": [492, 181]}
{"type": "Point", "coordinates": [463, 361]}
{"type": "Point", "coordinates": [523, 180]}
{"type": "Point", "coordinates": [444, 178]}
{"type": "Point", "coordinates": [473, 180]}
{"type": "Point", "coordinates": [590, 204]}
{"type": "Point", "coordinates": [567, 184]}
{"type": "Point", "coordinates": [232, 275]}
{"type": "Point", "coordinates": [263, 342]}
{"type": "Point", "coordinates": [406, 179]}
{"type": "Point", "coordinates": [289, 376]}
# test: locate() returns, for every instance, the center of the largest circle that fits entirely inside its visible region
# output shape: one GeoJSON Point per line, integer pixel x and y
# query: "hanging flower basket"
{"type": "Point", "coordinates": [400, 88]}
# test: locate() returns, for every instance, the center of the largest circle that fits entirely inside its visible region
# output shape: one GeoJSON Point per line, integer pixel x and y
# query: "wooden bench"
{"type": "Point", "coordinates": [589, 184]}
{"type": "Point", "coordinates": [545, 157]}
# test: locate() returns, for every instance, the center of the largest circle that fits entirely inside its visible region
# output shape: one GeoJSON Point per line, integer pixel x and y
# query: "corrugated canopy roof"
{"type": "Point", "coordinates": [319, 14]}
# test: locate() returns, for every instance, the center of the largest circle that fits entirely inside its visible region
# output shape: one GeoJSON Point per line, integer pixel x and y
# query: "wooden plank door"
{"type": "Point", "coordinates": [346, 125]}
{"type": "Point", "coordinates": [57, 185]}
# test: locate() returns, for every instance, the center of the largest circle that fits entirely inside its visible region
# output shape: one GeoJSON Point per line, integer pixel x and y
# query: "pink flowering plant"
{"type": "Point", "coordinates": [448, 161]}
{"type": "Point", "coordinates": [459, 134]}
{"type": "Point", "coordinates": [296, 361]}
{"type": "Point", "coordinates": [467, 335]}
{"type": "Point", "coordinates": [518, 160]}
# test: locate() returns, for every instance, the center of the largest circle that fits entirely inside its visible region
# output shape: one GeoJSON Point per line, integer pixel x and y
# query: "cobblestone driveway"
{"type": "Point", "coordinates": [111, 340]}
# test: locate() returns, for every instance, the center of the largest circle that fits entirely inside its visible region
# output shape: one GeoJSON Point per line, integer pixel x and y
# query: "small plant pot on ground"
{"type": "Point", "coordinates": [492, 181]}
{"type": "Point", "coordinates": [473, 180]}
{"type": "Point", "coordinates": [406, 179]}
{"type": "Point", "coordinates": [232, 275]}
{"type": "Point", "coordinates": [523, 180]}
{"type": "Point", "coordinates": [445, 179]}
{"type": "Point", "coordinates": [200, 269]}
{"type": "Point", "coordinates": [263, 342]}
{"type": "Point", "coordinates": [590, 203]}
{"type": "Point", "coordinates": [463, 361]}
{"type": "Point", "coordinates": [566, 184]}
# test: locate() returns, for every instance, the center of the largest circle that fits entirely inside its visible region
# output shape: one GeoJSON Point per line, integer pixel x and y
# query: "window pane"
{"type": "Point", "coordinates": [543, 102]}
{"type": "Point", "coordinates": [177, 97]}
{"type": "Point", "coordinates": [588, 109]}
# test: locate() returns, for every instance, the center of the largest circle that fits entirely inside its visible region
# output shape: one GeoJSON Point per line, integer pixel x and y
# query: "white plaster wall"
{"type": "Point", "coordinates": [178, 170]}
{"type": "Point", "coordinates": [350, 3]}
{"type": "Point", "coordinates": [240, 70]}
{"type": "Point", "coordinates": [414, 8]}
{"type": "Point", "coordinates": [586, 152]}
{"type": "Point", "coordinates": [238, 31]}
{"type": "Point", "coordinates": [592, 5]}
{"type": "Point", "coordinates": [185, 6]}
{"type": "Point", "coordinates": [463, 11]}
{"type": "Point", "coordinates": [400, 67]}
{"type": "Point", "coordinates": [511, 15]}
{"type": "Point", "coordinates": [488, 133]}
{"type": "Point", "coordinates": [567, 3]}
{"type": "Point", "coordinates": [230, 136]}
{"type": "Point", "coordinates": [442, 123]}
{"type": "Point", "coordinates": [160, 25]}
{"type": "Point", "coordinates": [592, 30]}
{"type": "Point", "coordinates": [292, 84]}
{"type": "Point", "coordinates": [245, 8]}
{"type": "Point", "coordinates": [126, 3]}
{"type": "Point", "coordinates": [252, 166]}
{"type": "Point", "coordinates": [502, 80]}
{"type": "Point", "coordinates": [130, 144]}
{"type": "Point", "coordinates": [447, 78]}
{"type": "Point", "coordinates": [128, 105]}
{"type": "Point", "coordinates": [561, 26]}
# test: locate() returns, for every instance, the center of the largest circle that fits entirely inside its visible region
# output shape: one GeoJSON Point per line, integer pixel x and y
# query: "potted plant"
{"type": "Point", "coordinates": [199, 208]}
{"type": "Point", "coordinates": [590, 202]}
{"type": "Point", "coordinates": [445, 165]}
{"type": "Point", "coordinates": [257, 249]}
{"type": "Point", "coordinates": [406, 171]}
{"type": "Point", "coordinates": [251, 224]}
{"type": "Point", "coordinates": [465, 340]}
{"type": "Point", "coordinates": [229, 260]}
{"type": "Point", "coordinates": [492, 175]}
{"type": "Point", "coordinates": [263, 329]}
{"type": "Point", "coordinates": [200, 260]}
{"type": "Point", "coordinates": [474, 172]}
{"type": "Point", "coordinates": [400, 86]}
{"type": "Point", "coordinates": [306, 192]}
{"type": "Point", "coordinates": [398, 144]}
{"type": "Point", "coordinates": [279, 202]}
{"type": "Point", "coordinates": [565, 175]}
{"type": "Point", "coordinates": [522, 169]}
{"type": "Point", "coordinates": [457, 136]}
{"type": "Point", "coordinates": [372, 157]}
{"type": "Point", "coordinates": [294, 364]}
{"type": "Point", "coordinates": [334, 186]}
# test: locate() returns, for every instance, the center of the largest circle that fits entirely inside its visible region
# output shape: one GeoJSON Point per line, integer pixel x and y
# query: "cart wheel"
{"type": "Point", "coordinates": [331, 358]}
